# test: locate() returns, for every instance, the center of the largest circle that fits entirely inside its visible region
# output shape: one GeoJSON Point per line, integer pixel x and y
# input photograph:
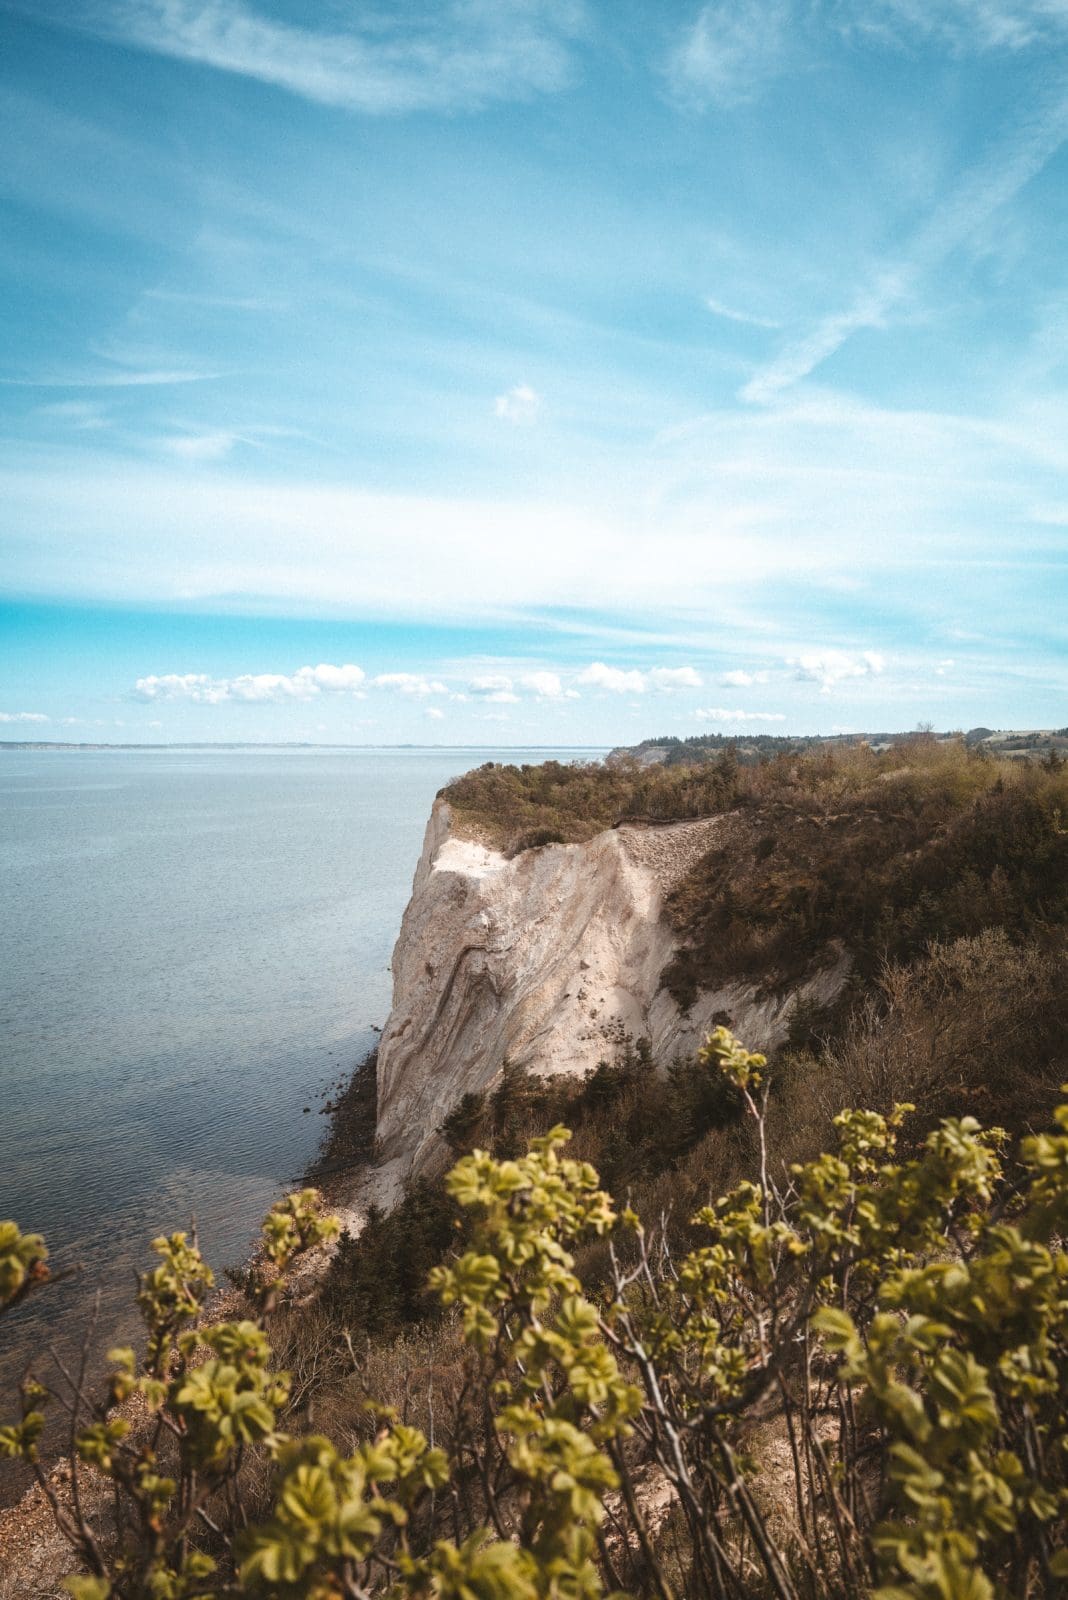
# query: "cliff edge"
{"type": "Point", "coordinates": [542, 960]}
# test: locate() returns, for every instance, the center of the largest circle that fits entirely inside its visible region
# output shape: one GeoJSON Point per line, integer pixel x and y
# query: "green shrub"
{"type": "Point", "coordinates": [854, 1384]}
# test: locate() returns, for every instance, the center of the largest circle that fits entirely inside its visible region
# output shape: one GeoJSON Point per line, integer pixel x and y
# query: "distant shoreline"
{"type": "Point", "coordinates": [293, 744]}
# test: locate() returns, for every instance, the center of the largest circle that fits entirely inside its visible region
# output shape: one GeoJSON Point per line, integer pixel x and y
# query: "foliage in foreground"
{"type": "Point", "coordinates": [856, 1384]}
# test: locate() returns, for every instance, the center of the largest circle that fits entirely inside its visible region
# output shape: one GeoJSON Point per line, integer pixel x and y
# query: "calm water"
{"type": "Point", "coordinates": [194, 946]}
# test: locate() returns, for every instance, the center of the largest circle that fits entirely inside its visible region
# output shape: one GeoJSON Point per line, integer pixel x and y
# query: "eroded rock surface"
{"type": "Point", "coordinates": [539, 961]}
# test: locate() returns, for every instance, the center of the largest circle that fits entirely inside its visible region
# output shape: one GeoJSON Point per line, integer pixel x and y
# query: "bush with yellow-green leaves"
{"type": "Point", "coordinates": [857, 1385]}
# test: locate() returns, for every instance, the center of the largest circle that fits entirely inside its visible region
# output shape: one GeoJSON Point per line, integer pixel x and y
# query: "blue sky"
{"type": "Point", "coordinates": [531, 370]}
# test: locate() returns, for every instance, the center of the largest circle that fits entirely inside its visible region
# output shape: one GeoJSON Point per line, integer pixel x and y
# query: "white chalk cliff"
{"type": "Point", "coordinates": [538, 960]}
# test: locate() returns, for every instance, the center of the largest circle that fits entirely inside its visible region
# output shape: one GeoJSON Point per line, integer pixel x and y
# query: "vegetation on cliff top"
{"type": "Point", "coordinates": [881, 851]}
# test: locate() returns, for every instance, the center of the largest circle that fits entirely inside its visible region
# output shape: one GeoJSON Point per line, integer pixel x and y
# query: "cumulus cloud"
{"type": "Point", "coordinates": [616, 680]}
{"type": "Point", "coordinates": [735, 714]}
{"type": "Point", "coordinates": [547, 686]}
{"type": "Point", "coordinates": [829, 668]}
{"type": "Point", "coordinates": [495, 688]}
{"type": "Point", "coordinates": [674, 678]}
{"type": "Point", "coordinates": [435, 712]}
{"type": "Point", "coordinates": [623, 680]}
{"type": "Point", "coordinates": [412, 683]}
{"type": "Point", "coordinates": [202, 689]}
{"type": "Point", "coordinates": [742, 680]}
{"type": "Point", "coordinates": [335, 678]}
{"type": "Point", "coordinates": [23, 716]}
{"type": "Point", "coordinates": [520, 406]}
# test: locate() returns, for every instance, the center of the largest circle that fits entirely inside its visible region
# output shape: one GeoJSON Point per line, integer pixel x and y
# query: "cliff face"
{"type": "Point", "coordinates": [540, 960]}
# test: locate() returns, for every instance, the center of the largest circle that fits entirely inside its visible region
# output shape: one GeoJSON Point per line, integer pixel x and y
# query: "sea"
{"type": "Point", "coordinates": [194, 955]}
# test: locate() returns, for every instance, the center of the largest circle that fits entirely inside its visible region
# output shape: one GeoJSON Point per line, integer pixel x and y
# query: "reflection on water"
{"type": "Point", "coordinates": [194, 948]}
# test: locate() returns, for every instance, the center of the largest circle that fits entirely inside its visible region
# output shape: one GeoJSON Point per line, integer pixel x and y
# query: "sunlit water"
{"type": "Point", "coordinates": [194, 947]}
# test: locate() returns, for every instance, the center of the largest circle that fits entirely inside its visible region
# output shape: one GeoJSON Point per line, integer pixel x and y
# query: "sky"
{"type": "Point", "coordinates": [531, 371]}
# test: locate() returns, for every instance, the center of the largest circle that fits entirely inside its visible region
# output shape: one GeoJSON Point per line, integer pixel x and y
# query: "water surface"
{"type": "Point", "coordinates": [194, 947]}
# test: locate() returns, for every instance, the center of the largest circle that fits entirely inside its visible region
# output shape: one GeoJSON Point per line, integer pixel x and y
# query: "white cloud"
{"type": "Point", "coordinates": [802, 356]}
{"type": "Point", "coordinates": [616, 680]}
{"type": "Point", "coordinates": [495, 688]}
{"type": "Point", "coordinates": [341, 679]}
{"type": "Point", "coordinates": [23, 716]}
{"type": "Point", "coordinates": [83, 415]}
{"type": "Point", "coordinates": [435, 712]}
{"type": "Point", "coordinates": [410, 683]}
{"type": "Point", "coordinates": [202, 689]}
{"type": "Point", "coordinates": [734, 49]}
{"type": "Point", "coordinates": [620, 680]}
{"type": "Point", "coordinates": [1019, 151]}
{"type": "Point", "coordinates": [733, 500]}
{"type": "Point", "coordinates": [968, 26]}
{"type": "Point", "coordinates": [729, 53]}
{"type": "Point", "coordinates": [200, 446]}
{"type": "Point", "coordinates": [546, 685]}
{"type": "Point", "coordinates": [732, 314]}
{"type": "Point", "coordinates": [742, 680]}
{"type": "Point", "coordinates": [129, 378]}
{"type": "Point", "coordinates": [459, 55]}
{"type": "Point", "coordinates": [726, 714]}
{"type": "Point", "coordinates": [521, 405]}
{"type": "Point", "coordinates": [668, 678]}
{"type": "Point", "coordinates": [944, 667]}
{"type": "Point", "coordinates": [829, 668]}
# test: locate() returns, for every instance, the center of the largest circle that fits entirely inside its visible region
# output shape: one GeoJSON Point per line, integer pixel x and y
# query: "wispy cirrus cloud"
{"type": "Point", "coordinates": [968, 27]}
{"type": "Point", "coordinates": [1017, 153]}
{"type": "Point", "coordinates": [84, 416]}
{"type": "Point", "coordinates": [154, 377]}
{"type": "Point", "coordinates": [211, 445]}
{"type": "Point", "coordinates": [454, 56]}
{"type": "Point", "coordinates": [735, 314]}
{"type": "Point", "coordinates": [731, 50]}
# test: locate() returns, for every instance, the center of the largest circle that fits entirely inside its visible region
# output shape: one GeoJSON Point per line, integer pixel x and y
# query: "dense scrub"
{"type": "Point", "coordinates": [976, 1024]}
{"type": "Point", "coordinates": [882, 855]}
{"type": "Point", "coordinates": [517, 808]}
{"type": "Point", "coordinates": [634, 1123]}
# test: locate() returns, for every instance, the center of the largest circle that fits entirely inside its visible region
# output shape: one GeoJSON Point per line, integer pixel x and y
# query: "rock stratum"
{"type": "Point", "coordinates": [543, 960]}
